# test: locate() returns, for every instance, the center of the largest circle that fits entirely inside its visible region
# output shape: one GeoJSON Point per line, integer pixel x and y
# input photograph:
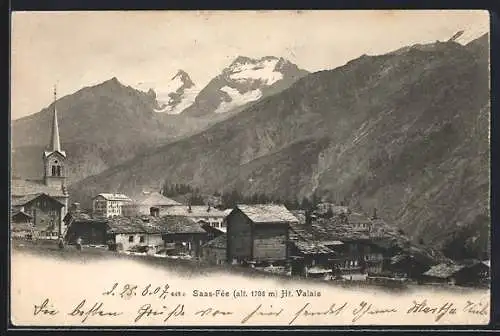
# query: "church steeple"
{"type": "Point", "coordinates": [55, 143]}
{"type": "Point", "coordinates": [54, 158]}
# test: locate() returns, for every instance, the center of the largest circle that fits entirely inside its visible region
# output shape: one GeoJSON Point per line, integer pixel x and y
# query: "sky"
{"type": "Point", "coordinates": [146, 48]}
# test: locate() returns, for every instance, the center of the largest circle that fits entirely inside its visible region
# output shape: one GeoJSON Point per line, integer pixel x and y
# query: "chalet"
{"type": "Point", "coordinates": [352, 253]}
{"type": "Point", "coordinates": [206, 213]}
{"type": "Point", "coordinates": [45, 212]}
{"type": "Point", "coordinates": [464, 274]}
{"type": "Point", "coordinates": [143, 203]}
{"type": "Point", "coordinates": [91, 230]}
{"type": "Point", "coordinates": [258, 233]}
{"type": "Point", "coordinates": [410, 265]}
{"type": "Point", "coordinates": [182, 235]}
{"type": "Point", "coordinates": [128, 233]}
{"type": "Point", "coordinates": [22, 225]}
{"type": "Point", "coordinates": [307, 255]}
{"type": "Point", "coordinates": [214, 251]}
{"type": "Point", "coordinates": [109, 205]}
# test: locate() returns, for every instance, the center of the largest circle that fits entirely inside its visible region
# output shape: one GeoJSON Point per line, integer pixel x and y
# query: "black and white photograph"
{"type": "Point", "coordinates": [250, 168]}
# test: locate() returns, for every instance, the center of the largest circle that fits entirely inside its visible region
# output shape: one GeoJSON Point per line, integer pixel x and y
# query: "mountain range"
{"type": "Point", "coordinates": [109, 123]}
{"type": "Point", "coordinates": [405, 132]}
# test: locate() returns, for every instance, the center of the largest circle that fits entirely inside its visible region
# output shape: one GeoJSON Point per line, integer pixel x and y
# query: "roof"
{"type": "Point", "coordinates": [444, 270]}
{"type": "Point", "coordinates": [155, 198]}
{"type": "Point", "coordinates": [114, 197]}
{"type": "Point", "coordinates": [50, 152]}
{"type": "Point", "coordinates": [219, 242]}
{"type": "Point", "coordinates": [267, 213]}
{"type": "Point", "coordinates": [300, 215]}
{"type": "Point", "coordinates": [19, 201]}
{"type": "Point", "coordinates": [20, 187]}
{"type": "Point", "coordinates": [153, 225]}
{"type": "Point", "coordinates": [310, 247]}
{"type": "Point", "coordinates": [123, 225]}
{"type": "Point", "coordinates": [180, 224]}
{"type": "Point", "coordinates": [196, 211]}
{"type": "Point", "coordinates": [21, 214]}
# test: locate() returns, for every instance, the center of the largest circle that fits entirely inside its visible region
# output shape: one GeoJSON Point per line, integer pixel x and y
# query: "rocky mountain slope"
{"type": "Point", "coordinates": [405, 132]}
{"type": "Point", "coordinates": [100, 126]}
{"type": "Point", "coordinates": [104, 125]}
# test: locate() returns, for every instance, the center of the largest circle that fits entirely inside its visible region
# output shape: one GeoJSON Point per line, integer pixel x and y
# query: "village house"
{"type": "Point", "coordinates": [134, 233]}
{"type": "Point", "coordinates": [45, 212]}
{"type": "Point", "coordinates": [410, 265]}
{"type": "Point", "coordinates": [91, 230]}
{"type": "Point", "coordinates": [53, 185]}
{"type": "Point", "coordinates": [199, 213]}
{"type": "Point", "coordinates": [214, 251]}
{"type": "Point", "coordinates": [144, 202]}
{"type": "Point", "coordinates": [347, 251]}
{"type": "Point", "coordinates": [182, 235]}
{"type": "Point", "coordinates": [463, 274]}
{"type": "Point", "coordinates": [258, 233]}
{"type": "Point", "coordinates": [21, 225]}
{"type": "Point", "coordinates": [109, 205]}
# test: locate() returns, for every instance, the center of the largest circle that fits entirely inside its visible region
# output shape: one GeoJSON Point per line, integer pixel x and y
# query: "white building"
{"type": "Point", "coordinates": [109, 205]}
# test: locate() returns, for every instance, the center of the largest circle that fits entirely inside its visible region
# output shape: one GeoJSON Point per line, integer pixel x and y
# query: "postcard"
{"type": "Point", "coordinates": [250, 168]}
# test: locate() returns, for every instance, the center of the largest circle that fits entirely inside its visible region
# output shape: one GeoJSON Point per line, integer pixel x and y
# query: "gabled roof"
{"type": "Point", "coordinates": [196, 211]}
{"type": "Point", "coordinates": [19, 201]}
{"type": "Point", "coordinates": [20, 187]}
{"type": "Point", "coordinates": [310, 247]}
{"type": "Point", "coordinates": [267, 213]}
{"type": "Point", "coordinates": [180, 224]}
{"type": "Point", "coordinates": [444, 270]}
{"type": "Point", "coordinates": [155, 199]}
{"type": "Point", "coordinates": [153, 225]}
{"type": "Point", "coordinates": [114, 197]}
{"type": "Point", "coordinates": [219, 242]}
{"type": "Point", "coordinates": [49, 152]}
{"type": "Point", "coordinates": [124, 225]}
{"type": "Point", "coordinates": [21, 214]}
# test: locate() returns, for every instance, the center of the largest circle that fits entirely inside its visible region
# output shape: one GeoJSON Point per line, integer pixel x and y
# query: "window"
{"type": "Point", "coordinates": [142, 239]}
{"type": "Point", "coordinates": [59, 171]}
{"type": "Point", "coordinates": [130, 239]}
{"type": "Point", "coordinates": [53, 170]}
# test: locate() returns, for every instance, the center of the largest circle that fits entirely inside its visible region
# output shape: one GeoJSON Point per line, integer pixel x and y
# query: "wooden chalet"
{"type": "Point", "coordinates": [22, 225]}
{"type": "Point", "coordinates": [464, 274]}
{"type": "Point", "coordinates": [45, 212]}
{"type": "Point", "coordinates": [258, 233]}
{"type": "Point", "coordinates": [214, 251]}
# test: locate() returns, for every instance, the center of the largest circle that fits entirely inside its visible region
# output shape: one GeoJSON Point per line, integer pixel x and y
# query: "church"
{"type": "Point", "coordinates": [45, 200]}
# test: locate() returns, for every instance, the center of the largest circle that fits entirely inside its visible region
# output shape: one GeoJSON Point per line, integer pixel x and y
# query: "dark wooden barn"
{"type": "Point", "coordinates": [92, 231]}
{"type": "Point", "coordinates": [258, 233]}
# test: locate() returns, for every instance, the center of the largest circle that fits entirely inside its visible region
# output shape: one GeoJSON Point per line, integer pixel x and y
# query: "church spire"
{"type": "Point", "coordinates": [55, 144]}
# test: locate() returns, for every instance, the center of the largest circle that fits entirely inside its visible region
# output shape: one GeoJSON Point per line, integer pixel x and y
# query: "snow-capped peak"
{"type": "Point", "coordinates": [263, 70]}
{"type": "Point", "coordinates": [179, 93]}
